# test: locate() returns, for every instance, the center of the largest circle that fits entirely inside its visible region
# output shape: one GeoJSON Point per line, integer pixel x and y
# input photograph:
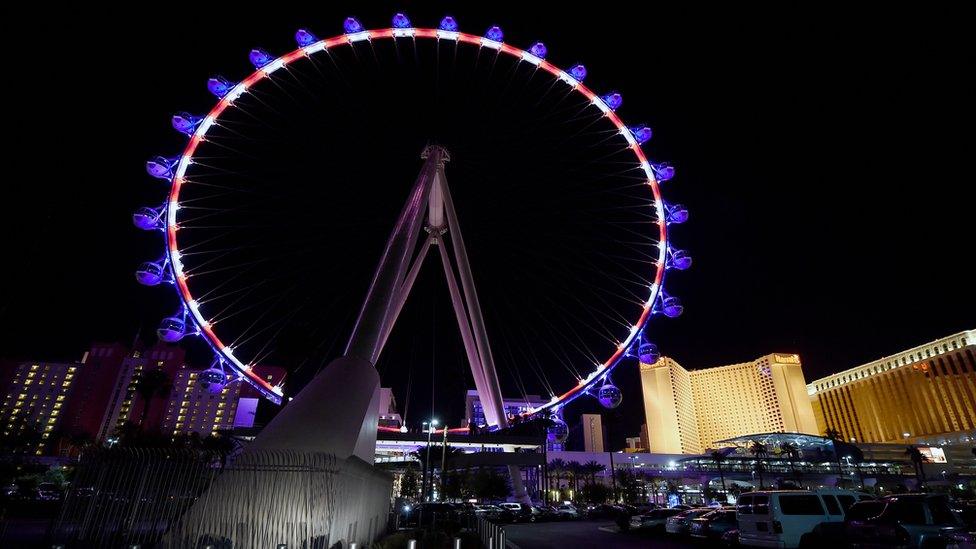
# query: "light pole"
{"type": "Point", "coordinates": [443, 463]}
{"type": "Point", "coordinates": [430, 430]}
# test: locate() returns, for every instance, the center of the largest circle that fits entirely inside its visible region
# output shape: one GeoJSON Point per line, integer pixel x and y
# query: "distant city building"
{"type": "Point", "coordinates": [91, 400]}
{"type": "Point", "coordinates": [914, 394]}
{"type": "Point", "coordinates": [34, 402]}
{"type": "Point", "coordinates": [249, 399]}
{"type": "Point", "coordinates": [593, 435]}
{"type": "Point", "coordinates": [475, 413]}
{"type": "Point", "coordinates": [634, 445]}
{"type": "Point", "coordinates": [126, 405]}
{"type": "Point", "coordinates": [94, 383]}
{"type": "Point", "coordinates": [389, 417]}
{"type": "Point", "coordinates": [645, 438]}
{"type": "Point", "coordinates": [202, 403]}
{"type": "Point", "coordinates": [689, 410]}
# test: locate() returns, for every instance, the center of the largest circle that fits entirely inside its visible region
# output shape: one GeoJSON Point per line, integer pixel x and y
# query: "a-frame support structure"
{"type": "Point", "coordinates": [430, 200]}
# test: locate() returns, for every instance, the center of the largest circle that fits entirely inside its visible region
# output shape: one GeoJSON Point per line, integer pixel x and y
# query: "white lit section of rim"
{"type": "Point", "coordinates": [274, 393]}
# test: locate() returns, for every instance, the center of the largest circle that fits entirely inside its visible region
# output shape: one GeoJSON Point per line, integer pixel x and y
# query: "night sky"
{"type": "Point", "coordinates": [825, 158]}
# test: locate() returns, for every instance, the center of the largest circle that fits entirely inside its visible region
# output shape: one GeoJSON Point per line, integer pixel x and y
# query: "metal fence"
{"type": "Point", "coordinates": [130, 496]}
{"type": "Point", "coordinates": [266, 498]}
{"type": "Point", "coordinates": [491, 534]}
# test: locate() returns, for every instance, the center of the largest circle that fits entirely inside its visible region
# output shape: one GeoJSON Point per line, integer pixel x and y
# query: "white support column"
{"type": "Point", "coordinates": [470, 348]}
{"type": "Point", "coordinates": [474, 306]}
{"type": "Point", "coordinates": [402, 293]}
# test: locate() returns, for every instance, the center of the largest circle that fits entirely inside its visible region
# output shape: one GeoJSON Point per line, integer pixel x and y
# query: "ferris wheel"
{"type": "Point", "coordinates": [224, 133]}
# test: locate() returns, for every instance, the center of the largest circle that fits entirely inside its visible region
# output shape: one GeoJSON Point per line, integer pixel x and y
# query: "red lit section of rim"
{"type": "Point", "coordinates": [274, 393]}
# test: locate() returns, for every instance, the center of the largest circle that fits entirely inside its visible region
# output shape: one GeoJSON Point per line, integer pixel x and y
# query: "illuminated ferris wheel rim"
{"type": "Point", "coordinates": [225, 353]}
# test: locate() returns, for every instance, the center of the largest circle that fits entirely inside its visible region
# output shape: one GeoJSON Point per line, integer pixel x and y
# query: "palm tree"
{"type": "Point", "coordinates": [759, 450]}
{"type": "Point", "coordinates": [834, 436]}
{"type": "Point", "coordinates": [792, 452]}
{"type": "Point", "coordinates": [918, 460]}
{"type": "Point", "coordinates": [556, 469]}
{"type": "Point", "coordinates": [575, 469]}
{"type": "Point", "coordinates": [718, 457]}
{"type": "Point", "coordinates": [592, 468]}
{"type": "Point", "coordinates": [151, 384]}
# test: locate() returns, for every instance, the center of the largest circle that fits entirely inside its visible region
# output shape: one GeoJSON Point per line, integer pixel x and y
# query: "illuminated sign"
{"type": "Point", "coordinates": [788, 359]}
{"type": "Point", "coordinates": [933, 454]}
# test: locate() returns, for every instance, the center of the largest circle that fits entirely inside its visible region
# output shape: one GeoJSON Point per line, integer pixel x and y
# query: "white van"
{"type": "Point", "coordinates": [779, 518]}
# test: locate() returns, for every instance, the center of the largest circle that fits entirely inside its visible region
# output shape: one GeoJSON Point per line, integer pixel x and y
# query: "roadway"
{"type": "Point", "coordinates": [583, 535]}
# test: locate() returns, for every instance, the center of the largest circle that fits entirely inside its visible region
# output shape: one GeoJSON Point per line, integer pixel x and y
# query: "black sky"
{"type": "Point", "coordinates": [825, 156]}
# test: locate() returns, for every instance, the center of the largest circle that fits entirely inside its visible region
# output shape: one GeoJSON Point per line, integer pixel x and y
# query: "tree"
{"type": "Point", "coordinates": [834, 436]}
{"type": "Point", "coordinates": [792, 453]}
{"type": "Point", "coordinates": [719, 457]}
{"type": "Point", "coordinates": [760, 452]}
{"type": "Point", "coordinates": [556, 469]}
{"type": "Point", "coordinates": [455, 485]}
{"type": "Point", "coordinates": [220, 443]}
{"type": "Point", "coordinates": [574, 470]}
{"type": "Point", "coordinates": [488, 484]}
{"type": "Point", "coordinates": [592, 469]}
{"type": "Point", "coordinates": [409, 483]}
{"type": "Point", "coordinates": [629, 486]}
{"type": "Point", "coordinates": [596, 493]}
{"type": "Point", "coordinates": [152, 383]}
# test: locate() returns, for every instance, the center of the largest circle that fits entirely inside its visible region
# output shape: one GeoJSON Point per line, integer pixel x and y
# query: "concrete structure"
{"type": "Point", "coordinates": [687, 411]}
{"type": "Point", "coordinates": [920, 393]}
{"type": "Point", "coordinates": [34, 402]}
{"type": "Point", "coordinates": [593, 434]}
{"type": "Point", "coordinates": [389, 417]}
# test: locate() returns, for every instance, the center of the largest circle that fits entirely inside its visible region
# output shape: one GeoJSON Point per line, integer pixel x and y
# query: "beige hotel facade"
{"type": "Point", "coordinates": [926, 393]}
{"type": "Point", "coordinates": [688, 411]}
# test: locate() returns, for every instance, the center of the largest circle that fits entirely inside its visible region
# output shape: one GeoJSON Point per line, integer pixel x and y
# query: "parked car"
{"type": "Point", "coordinates": [567, 511]}
{"type": "Point", "coordinates": [520, 512]}
{"type": "Point", "coordinates": [905, 520]}
{"type": "Point", "coordinates": [605, 512]}
{"type": "Point", "coordinates": [426, 514]}
{"type": "Point", "coordinates": [653, 521]}
{"type": "Point", "coordinates": [731, 538]}
{"type": "Point", "coordinates": [48, 491]}
{"type": "Point", "coordinates": [680, 523]}
{"type": "Point", "coordinates": [781, 518]}
{"type": "Point", "coordinates": [713, 525]}
{"type": "Point", "coordinates": [960, 540]}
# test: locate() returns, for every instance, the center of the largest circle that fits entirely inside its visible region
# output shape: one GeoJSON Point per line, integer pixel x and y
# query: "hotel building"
{"type": "Point", "coordinates": [909, 396]}
{"type": "Point", "coordinates": [688, 411]}
{"type": "Point", "coordinates": [125, 404]}
{"type": "Point", "coordinates": [593, 435]}
{"type": "Point", "coordinates": [34, 401]}
{"type": "Point", "coordinates": [198, 405]}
